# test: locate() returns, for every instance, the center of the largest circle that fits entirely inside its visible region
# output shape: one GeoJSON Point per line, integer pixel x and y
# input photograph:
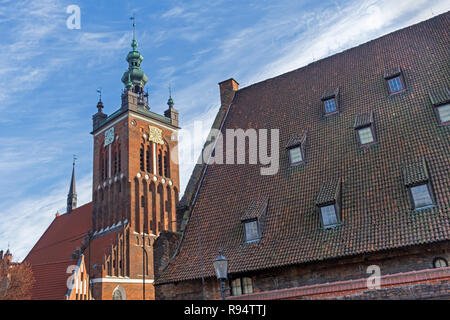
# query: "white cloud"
{"type": "Point", "coordinates": [24, 222]}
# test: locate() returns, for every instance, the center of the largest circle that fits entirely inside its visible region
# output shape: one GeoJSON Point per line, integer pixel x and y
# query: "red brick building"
{"type": "Point", "coordinates": [108, 243]}
{"type": "Point", "coordinates": [363, 182]}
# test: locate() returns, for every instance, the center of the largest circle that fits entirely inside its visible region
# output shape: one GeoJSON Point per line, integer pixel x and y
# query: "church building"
{"type": "Point", "coordinates": [358, 209]}
{"type": "Point", "coordinates": [135, 188]}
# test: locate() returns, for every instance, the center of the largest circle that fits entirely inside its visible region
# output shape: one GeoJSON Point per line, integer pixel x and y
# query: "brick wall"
{"type": "Point", "coordinates": [333, 271]}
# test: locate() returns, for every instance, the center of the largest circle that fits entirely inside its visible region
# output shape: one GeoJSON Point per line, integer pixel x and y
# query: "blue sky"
{"type": "Point", "coordinates": [49, 76]}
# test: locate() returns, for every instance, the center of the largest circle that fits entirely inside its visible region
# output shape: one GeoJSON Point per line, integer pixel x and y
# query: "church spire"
{"type": "Point", "coordinates": [72, 196]}
{"type": "Point", "coordinates": [134, 78]}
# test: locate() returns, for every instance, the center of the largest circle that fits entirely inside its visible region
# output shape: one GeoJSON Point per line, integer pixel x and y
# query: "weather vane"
{"type": "Point", "coordinates": [170, 90]}
{"type": "Point", "coordinates": [99, 91]}
{"type": "Point", "coordinates": [134, 26]}
{"type": "Point", "coordinates": [74, 158]}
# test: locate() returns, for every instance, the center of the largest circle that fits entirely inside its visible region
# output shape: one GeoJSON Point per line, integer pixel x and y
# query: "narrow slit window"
{"type": "Point", "coordinates": [141, 159]}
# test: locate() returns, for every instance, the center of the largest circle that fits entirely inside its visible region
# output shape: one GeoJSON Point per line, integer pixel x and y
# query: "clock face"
{"type": "Point", "coordinates": [109, 136]}
{"type": "Point", "coordinates": [155, 135]}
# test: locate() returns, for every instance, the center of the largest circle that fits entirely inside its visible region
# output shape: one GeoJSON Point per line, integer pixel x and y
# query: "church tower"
{"type": "Point", "coordinates": [135, 186]}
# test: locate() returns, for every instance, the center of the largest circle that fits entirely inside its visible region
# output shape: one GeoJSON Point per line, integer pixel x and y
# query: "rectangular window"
{"type": "Point", "coordinates": [421, 196]}
{"type": "Point", "coordinates": [329, 217]}
{"type": "Point", "coordinates": [395, 84]}
{"type": "Point", "coordinates": [365, 135]}
{"type": "Point", "coordinates": [247, 285]}
{"type": "Point", "coordinates": [236, 288]}
{"type": "Point", "coordinates": [296, 155]}
{"type": "Point", "coordinates": [444, 113]}
{"type": "Point", "coordinates": [241, 286]}
{"type": "Point", "coordinates": [330, 105]}
{"type": "Point", "coordinates": [251, 231]}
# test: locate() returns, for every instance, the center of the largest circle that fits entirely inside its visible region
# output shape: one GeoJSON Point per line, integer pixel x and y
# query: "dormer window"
{"type": "Point", "coordinates": [444, 113]}
{"type": "Point", "coordinates": [417, 180]}
{"type": "Point", "coordinates": [395, 81]}
{"type": "Point", "coordinates": [330, 101]}
{"type": "Point", "coordinates": [329, 216]}
{"type": "Point", "coordinates": [364, 126]}
{"type": "Point", "coordinates": [395, 84]}
{"type": "Point", "coordinates": [296, 148]}
{"type": "Point", "coordinates": [441, 104]}
{"type": "Point", "coordinates": [330, 105]}
{"type": "Point", "coordinates": [252, 231]}
{"type": "Point", "coordinates": [421, 196]}
{"type": "Point", "coordinates": [329, 204]}
{"type": "Point", "coordinates": [253, 220]}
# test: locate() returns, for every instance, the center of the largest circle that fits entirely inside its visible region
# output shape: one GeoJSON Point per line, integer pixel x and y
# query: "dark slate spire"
{"type": "Point", "coordinates": [72, 196]}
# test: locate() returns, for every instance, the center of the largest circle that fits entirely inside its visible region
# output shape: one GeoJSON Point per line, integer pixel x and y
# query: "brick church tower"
{"type": "Point", "coordinates": [135, 189]}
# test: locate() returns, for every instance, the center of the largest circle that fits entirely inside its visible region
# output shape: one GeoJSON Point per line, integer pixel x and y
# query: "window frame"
{"type": "Point", "coordinates": [294, 164]}
{"type": "Point", "coordinates": [241, 282]}
{"type": "Point", "coordinates": [336, 212]}
{"type": "Point", "coordinates": [435, 260]}
{"type": "Point", "coordinates": [257, 228]}
{"type": "Point", "coordinates": [402, 81]}
{"type": "Point", "coordinates": [436, 111]}
{"type": "Point", "coordinates": [372, 129]}
{"type": "Point", "coordinates": [430, 193]}
{"type": "Point", "coordinates": [324, 100]}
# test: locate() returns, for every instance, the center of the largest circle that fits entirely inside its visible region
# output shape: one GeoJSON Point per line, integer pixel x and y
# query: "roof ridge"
{"type": "Point", "coordinates": [344, 51]}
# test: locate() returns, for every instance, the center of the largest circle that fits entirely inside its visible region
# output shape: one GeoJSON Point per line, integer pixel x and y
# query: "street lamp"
{"type": "Point", "coordinates": [221, 268]}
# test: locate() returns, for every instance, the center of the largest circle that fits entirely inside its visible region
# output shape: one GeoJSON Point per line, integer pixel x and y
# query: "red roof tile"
{"type": "Point", "coordinates": [51, 255]}
{"type": "Point", "coordinates": [375, 206]}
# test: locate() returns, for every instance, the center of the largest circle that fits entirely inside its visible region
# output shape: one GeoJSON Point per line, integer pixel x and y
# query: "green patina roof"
{"type": "Point", "coordinates": [134, 75]}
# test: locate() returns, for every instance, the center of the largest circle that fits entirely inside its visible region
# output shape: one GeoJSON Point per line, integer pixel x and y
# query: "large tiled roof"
{"type": "Point", "coordinates": [52, 254]}
{"type": "Point", "coordinates": [376, 214]}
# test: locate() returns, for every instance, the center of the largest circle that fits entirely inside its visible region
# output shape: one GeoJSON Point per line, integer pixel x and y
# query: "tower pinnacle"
{"type": "Point", "coordinates": [72, 195]}
{"type": "Point", "coordinates": [134, 79]}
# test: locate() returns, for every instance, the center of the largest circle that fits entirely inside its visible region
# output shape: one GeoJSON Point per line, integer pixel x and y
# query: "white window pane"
{"type": "Point", "coordinates": [296, 155]}
{"type": "Point", "coordinates": [251, 231]}
{"type": "Point", "coordinates": [236, 287]}
{"type": "Point", "coordinates": [248, 285]}
{"type": "Point", "coordinates": [328, 215]}
{"type": "Point", "coordinates": [421, 196]}
{"type": "Point", "coordinates": [444, 112]}
{"type": "Point", "coordinates": [365, 135]}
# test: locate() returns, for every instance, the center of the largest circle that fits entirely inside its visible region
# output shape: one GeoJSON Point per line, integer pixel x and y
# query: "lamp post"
{"type": "Point", "coordinates": [221, 268]}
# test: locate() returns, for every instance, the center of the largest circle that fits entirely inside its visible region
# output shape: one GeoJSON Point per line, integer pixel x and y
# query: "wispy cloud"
{"type": "Point", "coordinates": [48, 77]}
{"type": "Point", "coordinates": [24, 222]}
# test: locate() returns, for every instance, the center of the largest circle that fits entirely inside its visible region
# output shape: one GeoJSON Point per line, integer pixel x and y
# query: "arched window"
{"type": "Point", "coordinates": [119, 293]}
{"type": "Point", "coordinates": [160, 164]}
{"type": "Point", "coordinates": [149, 159]}
{"type": "Point", "coordinates": [119, 160]}
{"type": "Point", "coordinates": [102, 167]}
{"type": "Point", "coordinates": [115, 163]}
{"type": "Point", "coordinates": [141, 158]}
{"type": "Point", "coordinates": [166, 165]}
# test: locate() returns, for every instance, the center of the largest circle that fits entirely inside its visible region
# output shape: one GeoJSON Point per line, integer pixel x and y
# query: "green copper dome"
{"type": "Point", "coordinates": [134, 77]}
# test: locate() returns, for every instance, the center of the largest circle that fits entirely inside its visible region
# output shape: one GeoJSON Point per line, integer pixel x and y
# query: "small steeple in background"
{"type": "Point", "coordinates": [171, 113]}
{"type": "Point", "coordinates": [72, 196]}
